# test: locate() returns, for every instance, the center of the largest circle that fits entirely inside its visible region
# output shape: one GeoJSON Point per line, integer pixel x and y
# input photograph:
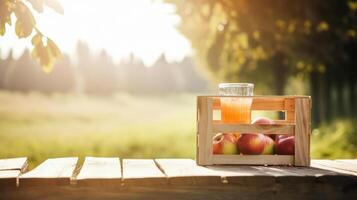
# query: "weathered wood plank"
{"type": "Point", "coordinates": [56, 171]}
{"type": "Point", "coordinates": [100, 171]}
{"type": "Point", "coordinates": [254, 128]}
{"type": "Point", "coordinates": [8, 178]}
{"type": "Point", "coordinates": [332, 166]}
{"type": "Point", "coordinates": [264, 102]}
{"type": "Point", "coordinates": [243, 175]}
{"type": "Point", "coordinates": [202, 135]}
{"type": "Point", "coordinates": [338, 165]}
{"type": "Point", "coordinates": [302, 131]}
{"type": "Point", "coordinates": [296, 191]}
{"type": "Point", "coordinates": [10, 169]}
{"type": "Point", "coordinates": [13, 164]}
{"type": "Point", "coordinates": [348, 161]}
{"type": "Point", "coordinates": [253, 159]}
{"type": "Point", "coordinates": [187, 172]}
{"type": "Point", "coordinates": [142, 172]}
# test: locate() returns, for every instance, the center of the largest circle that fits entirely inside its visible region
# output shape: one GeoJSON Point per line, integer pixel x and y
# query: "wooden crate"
{"type": "Point", "coordinates": [297, 122]}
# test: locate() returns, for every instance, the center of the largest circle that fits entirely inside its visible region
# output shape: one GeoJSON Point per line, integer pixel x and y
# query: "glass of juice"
{"type": "Point", "coordinates": [235, 107]}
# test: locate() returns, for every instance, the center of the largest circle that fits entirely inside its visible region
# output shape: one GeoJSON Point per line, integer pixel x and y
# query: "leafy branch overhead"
{"type": "Point", "coordinates": [44, 51]}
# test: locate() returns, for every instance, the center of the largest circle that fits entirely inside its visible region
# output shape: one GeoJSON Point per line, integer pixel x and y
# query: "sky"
{"type": "Point", "coordinates": [145, 28]}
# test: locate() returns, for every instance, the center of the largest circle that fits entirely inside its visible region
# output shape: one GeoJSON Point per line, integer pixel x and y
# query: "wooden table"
{"type": "Point", "coordinates": [113, 178]}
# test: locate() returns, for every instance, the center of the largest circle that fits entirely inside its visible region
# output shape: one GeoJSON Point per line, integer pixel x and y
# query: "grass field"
{"type": "Point", "coordinates": [42, 126]}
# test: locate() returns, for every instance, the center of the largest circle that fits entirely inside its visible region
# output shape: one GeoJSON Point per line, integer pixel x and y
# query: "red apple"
{"type": "Point", "coordinates": [264, 120]}
{"type": "Point", "coordinates": [269, 146]}
{"type": "Point", "coordinates": [281, 136]}
{"type": "Point", "coordinates": [251, 144]}
{"type": "Point", "coordinates": [225, 144]}
{"type": "Point", "coordinates": [285, 146]}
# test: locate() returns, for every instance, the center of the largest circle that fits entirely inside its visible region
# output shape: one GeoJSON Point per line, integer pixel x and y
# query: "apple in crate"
{"type": "Point", "coordinates": [264, 120]}
{"type": "Point", "coordinates": [285, 145]}
{"type": "Point", "coordinates": [225, 143]}
{"type": "Point", "coordinates": [269, 146]}
{"type": "Point", "coordinates": [251, 144]}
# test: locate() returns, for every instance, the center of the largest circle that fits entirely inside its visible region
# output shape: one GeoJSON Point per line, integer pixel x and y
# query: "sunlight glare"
{"type": "Point", "coordinates": [143, 27]}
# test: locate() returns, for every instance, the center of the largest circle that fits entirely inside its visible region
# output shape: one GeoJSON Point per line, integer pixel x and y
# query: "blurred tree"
{"type": "Point", "coordinates": [97, 72]}
{"type": "Point", "coordinates": [45, 51]}
{"type": "Point", "coordinates": [25, 75]}
{"type": "Point", "coordinates": [267, 41]}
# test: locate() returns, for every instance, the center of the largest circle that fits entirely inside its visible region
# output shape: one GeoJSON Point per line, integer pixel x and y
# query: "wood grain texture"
{"type": "Point", "coordinates": [100, 171]}
{"type": "Point", "coordinates": [8, 178]}
{"type": "Point", "coordinates": [337, 166]}
{"type": "Point", "coordinates": [243, 175]}
{"type": "Point", "coordinates": [348, 161]}
{"type": "Point", "coordinates": [56, 171]}
{"type": "Point", "coordinates": [209, 137]}
{"type": "Point", "coordinates": [10, 169]}
{"type": "Point", "coordinates": [187, 172]}
{"type": "Point", "coordinates": [202, 134]}
{"type": "Point", "coordinates": [142, 172]}
{"type": "Point", "coordinates": [13, 164]}
{"type": "Point", "coordinates": [254, 128]}
{"type": "Point", "coordinates": [278, 103]}
{"type": "Point", "coordinates": [253, 159]}
{"type": "Point", "coordinates": [275, 191]}
{"type": "Point", "coordinates": [302, 131]}
{"type": "Point", "coordinates": [189, 181]}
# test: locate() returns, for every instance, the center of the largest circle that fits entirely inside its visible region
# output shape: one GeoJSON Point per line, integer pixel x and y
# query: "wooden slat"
{"type": "Point", "coordinates": [186, 172]}
{"type": "Point", "coordinates": [302, 131]}
{"type": "Point", "coordinates": [142, 172]}
{"type": "Point", "coordinates": [348, 161]}
{"type": "Point", "coordinates": [253, 128]}
{"type": "Point", "coordinates": [100, 171]}
{"type": "Point", "coordinates": [56, 171]}
{"type": "Point", "coordinates": [243, 175]}
{"type": "Point", "coordinates": [10, 169]}
{"type": "Point", "coordinates": [13, 164]}
{"type": "Point", "coordinates": [203, 130]}
{"type": "Point", "coordinates": [336, 166]}
{"type": "Point", "coordinates": [264, 103]}
{"type": "Point", "coordinates": [318, 164]}
{"type": "Point", "coordinates": [253, 159]}
{"type": "Point", "coordinates": [209, 138]}
{"type": "Point", "coordinates": [8, 178]}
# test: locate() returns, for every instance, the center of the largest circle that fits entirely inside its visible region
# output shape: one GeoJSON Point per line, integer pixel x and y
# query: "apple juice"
{"type": "Point", "coordinates": [236, 103]}
{"type": "Point", "coordinates": [236, 110]}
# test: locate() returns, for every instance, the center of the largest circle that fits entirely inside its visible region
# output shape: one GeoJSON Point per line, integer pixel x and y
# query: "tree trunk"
{"type": "Point", "coordinates": [328, 96]}
{"type": "Point", "coordinates": [281, 71]}
{"type": "Point", "coordinates": [340, 103]}
{"type": "Point", "coordinates": [316, 97]}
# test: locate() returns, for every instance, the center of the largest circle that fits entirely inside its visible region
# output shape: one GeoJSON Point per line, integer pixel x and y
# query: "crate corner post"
{"type": "Point", "coordinates": [302, 131]}
{"type": "Point", "coordinates": [204, 130]}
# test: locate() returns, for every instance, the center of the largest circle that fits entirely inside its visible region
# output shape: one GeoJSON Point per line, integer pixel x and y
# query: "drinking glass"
{"type": "Point", "coordinates": [236, 109]}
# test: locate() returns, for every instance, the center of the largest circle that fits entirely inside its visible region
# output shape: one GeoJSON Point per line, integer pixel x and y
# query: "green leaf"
{"type": "Point", "coordinates": [55, 5]}
{"type": "Point", "coordinates": [2, 29]}
{"type": "Point", "coordinates": [25, 20]}
{"type": "Point", "coordinates": [6, 8]}
{"type": "Point", "coordinates": [47, 54]}
{"type": "Point", "coordinates": [36, 39]}
{"type": "Point", "coordinates": [54, 50]}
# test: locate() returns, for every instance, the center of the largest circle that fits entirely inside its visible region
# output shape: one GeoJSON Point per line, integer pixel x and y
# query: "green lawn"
{"type": "Point", "coordinates": [42, 126]}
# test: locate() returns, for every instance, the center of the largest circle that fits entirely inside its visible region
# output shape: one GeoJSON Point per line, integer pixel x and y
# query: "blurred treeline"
{"type": "Point", "coordinates": [98, 74]}
{"type": "Point", "coordinates": [271, 42]}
